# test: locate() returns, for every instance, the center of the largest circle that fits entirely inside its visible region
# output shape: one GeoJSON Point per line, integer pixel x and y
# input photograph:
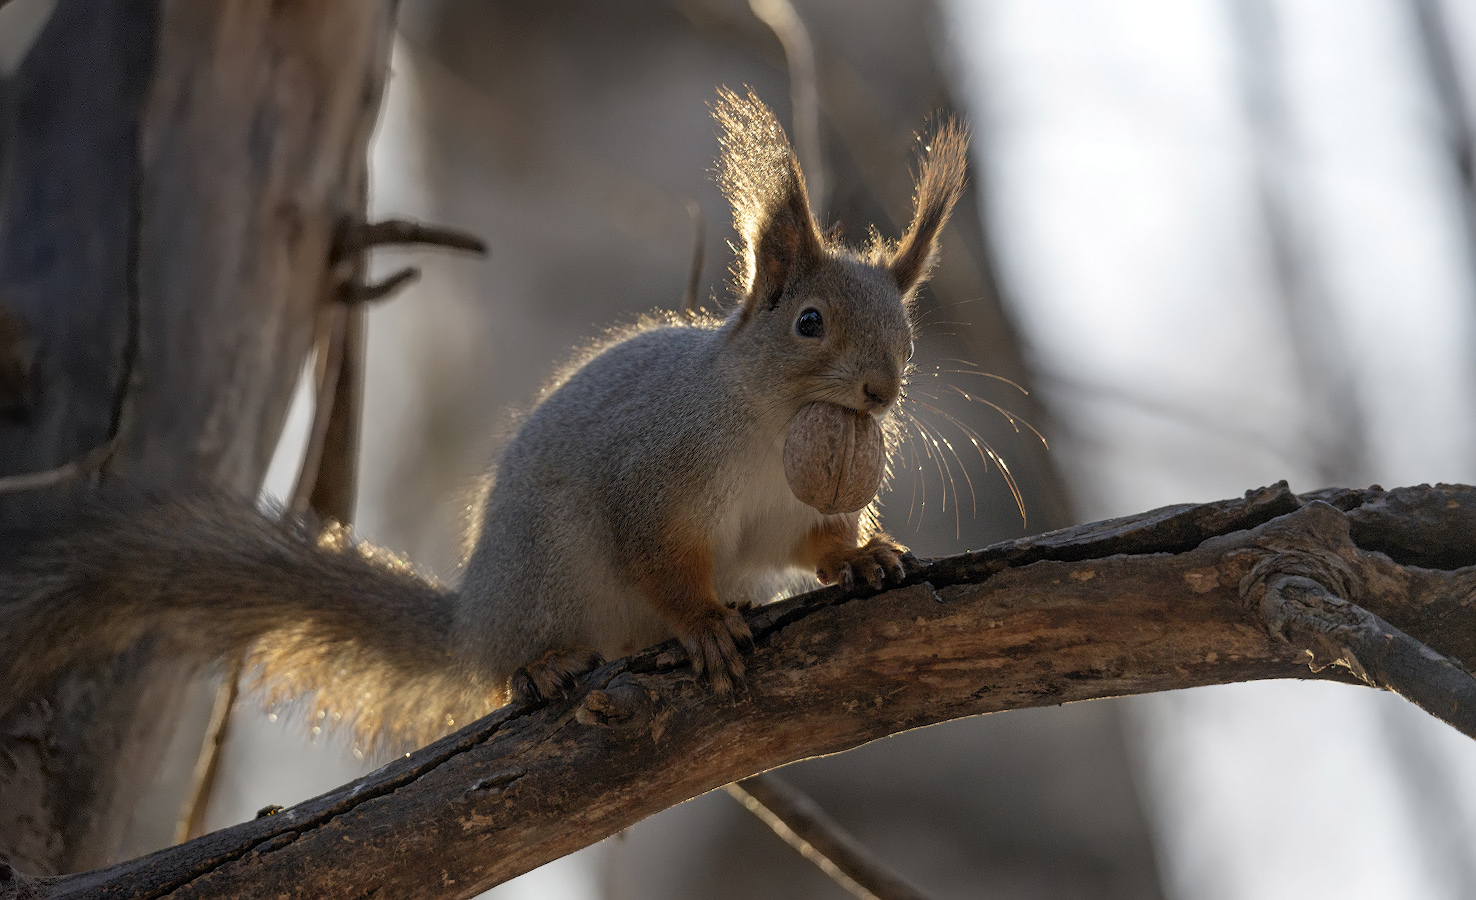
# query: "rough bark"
{"type": "Point", "coordinates": [171, 175]}
{"type": "Point", "coordinates": [1167, 599]}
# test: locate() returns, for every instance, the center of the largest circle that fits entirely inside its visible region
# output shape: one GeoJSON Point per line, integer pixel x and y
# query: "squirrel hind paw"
{"type": "Point", "coordinates": [716, 646]}
{"type": "Point", "coordinates": [553, 675]}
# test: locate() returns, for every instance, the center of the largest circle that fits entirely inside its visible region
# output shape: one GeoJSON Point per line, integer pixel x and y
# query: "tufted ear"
{"type": "Point", "coordinates": [761, 178]}
{"type": "Point", "coordinates": [940, 182]}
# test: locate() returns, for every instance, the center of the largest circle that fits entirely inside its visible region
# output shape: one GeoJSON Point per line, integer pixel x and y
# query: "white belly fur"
{"type": "Point", "coordinates": [756, 535]}
{"type": "Point", "coordinates": [754, 538]}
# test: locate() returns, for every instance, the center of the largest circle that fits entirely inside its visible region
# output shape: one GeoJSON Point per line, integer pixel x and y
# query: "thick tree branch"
{"type": "Point", "coordinates": [1146, 603]}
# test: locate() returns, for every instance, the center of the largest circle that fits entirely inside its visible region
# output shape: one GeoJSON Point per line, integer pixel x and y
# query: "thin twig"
{"type": "Point", "coordinates": [329, 368]}
{"type": "Point", "coordinates": [335, 487]}
{"type": "Point", "coordinates": [699, 249]}
{"type": "Point", "coordinates": [191, 822]}
{"type": "Point", "coordinates": [335, 364]}
{"type": "Point", "coordinates": [357, 292]}
{"type": "Point", "coordinates": [354, 238]}
{"type": "Point", "coordinates": [85, 464]}
{"type": "Point", "coordinates": [799, 53]}
{"type": "Point", "coordinates": [803, 825]}
{"type": "Point", "coordinates": [333, 335]}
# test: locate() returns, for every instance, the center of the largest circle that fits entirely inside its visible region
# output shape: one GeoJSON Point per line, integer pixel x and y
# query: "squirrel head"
{"type": "Point", "coordinates": [828, 322]}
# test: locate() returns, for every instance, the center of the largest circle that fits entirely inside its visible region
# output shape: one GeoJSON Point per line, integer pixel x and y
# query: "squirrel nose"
{"type": "Point", "coordinates": [880, 394]}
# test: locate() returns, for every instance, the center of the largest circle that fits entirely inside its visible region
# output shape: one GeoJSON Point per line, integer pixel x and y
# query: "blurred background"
{"type": "Point", "coordinates": [1220, 242]}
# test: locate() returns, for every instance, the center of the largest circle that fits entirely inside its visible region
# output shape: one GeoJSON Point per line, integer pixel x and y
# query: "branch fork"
{"type": "Point", "coordinates": [353, 238]}
{"type": "Point", "coordinates": [1306, 587]}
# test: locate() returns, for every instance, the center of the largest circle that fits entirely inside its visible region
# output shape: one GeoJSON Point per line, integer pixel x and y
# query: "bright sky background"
{"type": "Point", "coordinates": [1121, 168]}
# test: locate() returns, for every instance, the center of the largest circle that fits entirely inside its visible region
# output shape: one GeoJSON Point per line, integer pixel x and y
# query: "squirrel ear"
{"type": "Point", "coordinates": [939, 185]}
{"type": "Point", "coordinates": [761, 178]}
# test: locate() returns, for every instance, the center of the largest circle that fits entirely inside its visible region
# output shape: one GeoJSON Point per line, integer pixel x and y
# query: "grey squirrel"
{"type": "Point", "coordinates": [642, 498]}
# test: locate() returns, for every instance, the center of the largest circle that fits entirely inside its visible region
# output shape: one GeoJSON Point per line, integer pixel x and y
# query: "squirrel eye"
{"type": "Point", "coordinates": [809, 324]}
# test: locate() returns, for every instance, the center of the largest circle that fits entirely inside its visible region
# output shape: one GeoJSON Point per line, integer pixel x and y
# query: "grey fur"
{"type": "Point", "coordinates": [673, 426]}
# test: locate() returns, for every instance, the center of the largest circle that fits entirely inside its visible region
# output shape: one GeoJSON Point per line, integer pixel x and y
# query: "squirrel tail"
{"type": "Point", "coordinates": [207, 578]}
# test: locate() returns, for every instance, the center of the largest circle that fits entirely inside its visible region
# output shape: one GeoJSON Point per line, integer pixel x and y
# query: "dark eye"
{"type": "Point", "coordinates": [809, 324]}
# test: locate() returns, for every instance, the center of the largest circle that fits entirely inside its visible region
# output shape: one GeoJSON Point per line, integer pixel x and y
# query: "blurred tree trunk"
{"type": "Point", "coordinates": [171, 173]}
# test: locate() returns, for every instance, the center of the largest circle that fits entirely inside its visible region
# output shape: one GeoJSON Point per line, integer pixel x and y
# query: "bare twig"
{"type": "Point", "coordinates": [803, 825]}
{"type": "Point", "coordinates": [1336, 632]}
{"type": "Point", "coordinates": [87, 464]}
{"type": "Point", "coordinates": [332, 349]}
{"type": "Point", "coordinates": [335, 489]}
{"type": "Point", "coordinates": [330, 365]}
{"type": "Point", "coordinates": [699, 249]}
{"type": "Point", "coordinates": [354, 238]}
{"type": "Point", "coordinates": [356, 292]}
{"type": "Point", "coordinates": [799, 53]}
{"type": "Point", "coordinates": [202, 782]}
{"type": "Point", "coordinates": [330, 450]}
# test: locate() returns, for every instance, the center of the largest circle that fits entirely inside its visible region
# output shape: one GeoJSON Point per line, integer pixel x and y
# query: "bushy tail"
{"type": "Point", "coordinates": [210, 578]}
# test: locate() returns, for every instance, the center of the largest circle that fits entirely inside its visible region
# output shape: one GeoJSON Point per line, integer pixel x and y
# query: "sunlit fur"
{"type": "Point", "coordinates": [207, 577]}
{"type": "Point", "coordinates": [668, 433]}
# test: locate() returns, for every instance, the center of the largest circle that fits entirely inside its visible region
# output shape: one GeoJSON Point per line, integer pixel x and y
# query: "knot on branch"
{"type": "Point", "coordinates": [1301, 610]}
{"type": "Point", "coordinates": [1307, 584]}
{"type": "Point", "coordinates": [1314, 578]}
{"type": "Point", "coordinates": [622, 707]}
{"type": "Point", "coordinates": [1304, 584]}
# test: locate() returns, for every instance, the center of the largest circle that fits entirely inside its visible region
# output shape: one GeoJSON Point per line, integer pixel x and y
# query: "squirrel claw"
{"type": "Point", "coordinates": [877, 562]}
{"type": "Point", "coordinates": [847, 576]}
{"type": "Point", "coordinates": [554, 675]}
{"type": "Point", "coordinates": [716, 646]}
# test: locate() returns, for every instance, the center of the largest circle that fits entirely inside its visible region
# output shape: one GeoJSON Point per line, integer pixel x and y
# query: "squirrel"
{"type": "Point", "coordinates": [642, 498]}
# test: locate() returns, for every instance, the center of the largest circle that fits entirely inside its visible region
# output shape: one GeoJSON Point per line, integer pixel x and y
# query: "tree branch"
{"type": "Point", "coordinates": [1163, 600]}
{"type": "Point", "coordinates": [1301, 589]}
{"type": "Point", "coordinates": [354, 237]}
{"type": "Point", "coordinates": [803, 825]}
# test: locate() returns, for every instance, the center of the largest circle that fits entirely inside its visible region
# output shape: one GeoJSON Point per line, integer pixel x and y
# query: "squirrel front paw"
{"type": "Point", "coordinates": [876, 562]}
{"type": "Point", "coordinates": [715, 644]}
{"type": "Point", "coordinates": [554, 674]}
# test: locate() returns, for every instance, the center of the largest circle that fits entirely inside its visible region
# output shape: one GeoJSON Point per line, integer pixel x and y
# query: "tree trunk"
{"type": "Point", "coordinates": [171, 175]}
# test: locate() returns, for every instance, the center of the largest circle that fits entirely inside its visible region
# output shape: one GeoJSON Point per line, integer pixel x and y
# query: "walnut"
{"type": "Point", "coordinates": [834, 457]}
